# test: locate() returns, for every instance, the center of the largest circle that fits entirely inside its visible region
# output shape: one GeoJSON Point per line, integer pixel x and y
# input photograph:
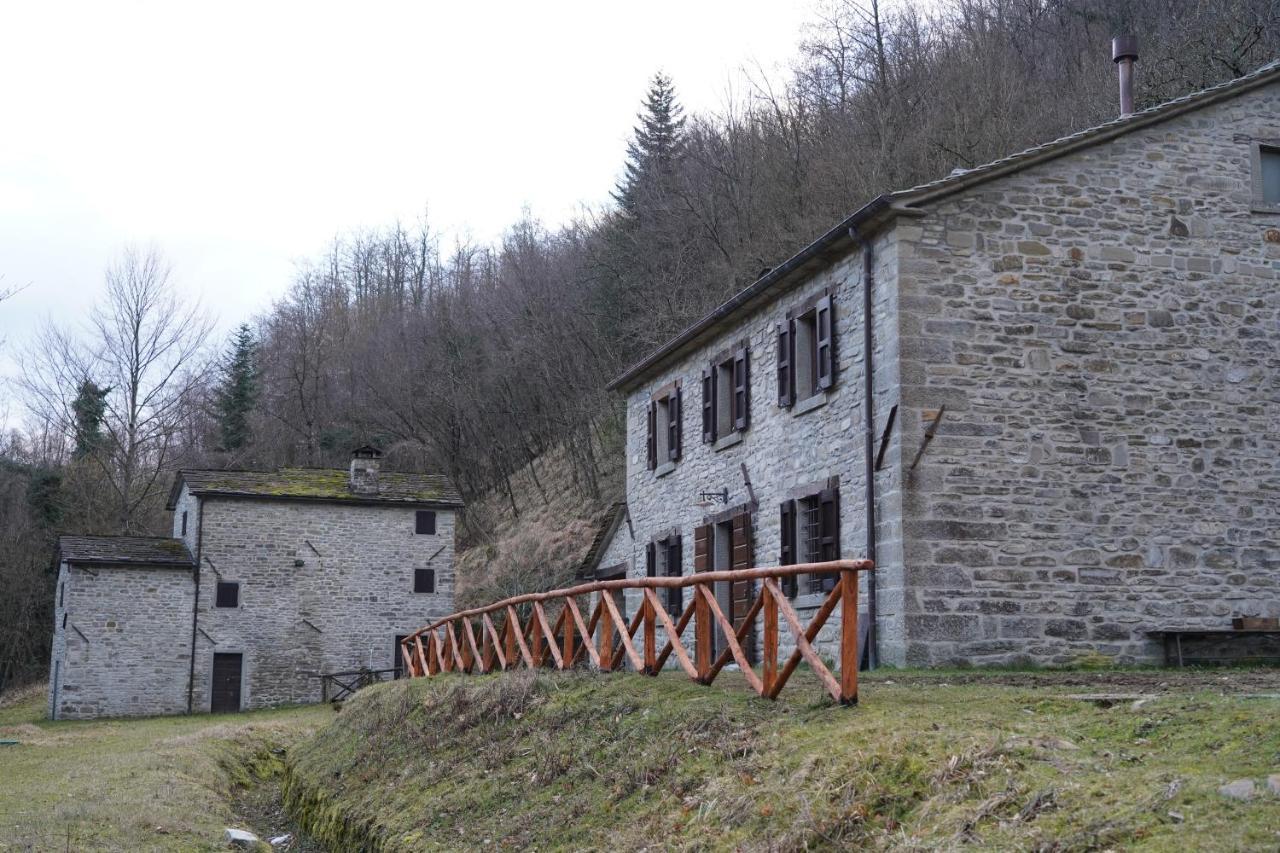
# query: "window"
{"type": "Point", "coordinates": [806, 352]}
{"type": "Point", "coordinates": [726, 396]}
{"type": "Point", "coordinates": [810, 533]}
{"type": "Point", "coordinates": [425, 522]}
{"type": "Point", "coordinates": [424, 580]}
{"type": "Point", "coordinates": [663, 557]}
{"type": "Point", "coordinates": [1266, 177]}
{"type": "Point", "coordinates": [184, 524]}
{"type": "Point", "coordinates": [664, 430]}
{"type": "Point", "coordinates": [228, 594]}
{"type": "Point", "coordinates": [62, 595]}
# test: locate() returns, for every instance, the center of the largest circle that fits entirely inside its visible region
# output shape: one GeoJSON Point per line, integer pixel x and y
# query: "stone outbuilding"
{"type": "Point", "coordinates": [1042, 394]}
{"type": "Point", "coordinates": [269, 580]}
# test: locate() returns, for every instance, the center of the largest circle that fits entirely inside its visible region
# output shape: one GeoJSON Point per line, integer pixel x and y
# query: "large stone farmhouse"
{"type": "Point", "coordinates": [1052, 382]}
{"type": "Point", "coordinates": [269, 580]}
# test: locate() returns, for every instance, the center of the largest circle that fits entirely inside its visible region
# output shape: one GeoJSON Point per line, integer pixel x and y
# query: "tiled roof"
{"type": "Point", "coordinates": [318, 484]}
{"type": "Point", "coordinates": [871, 216]}
{"type": "Point", "coordinates": [125, 550]}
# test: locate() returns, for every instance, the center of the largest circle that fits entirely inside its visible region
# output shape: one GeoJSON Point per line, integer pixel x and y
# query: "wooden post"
{"type": "Point", "coordinates": [567, 650]}
{"type": "Point", "coordinates": [770, 642]}
{"type": "Point", "coordinates": [509, 626]}
{"type": "Point", "coordinates": [535, 635]}
{"type": "Point", "coordinates": [650, 638]}
{"type": "Point", "coordinates": [606, 634]}
{"type": "Point", "coordinates": [849, 637]}
{"type": "Point", "coordinates": [702, 629]}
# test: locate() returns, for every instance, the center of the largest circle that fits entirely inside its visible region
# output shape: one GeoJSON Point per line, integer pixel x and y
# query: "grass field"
{"type": "Point", "coordinates": [994, 760]}
{"type": "Point", "coordinates": [162, 783]}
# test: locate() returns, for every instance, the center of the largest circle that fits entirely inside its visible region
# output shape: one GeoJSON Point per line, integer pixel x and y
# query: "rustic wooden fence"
{"type": "Point", "coordinates": [495, 637]}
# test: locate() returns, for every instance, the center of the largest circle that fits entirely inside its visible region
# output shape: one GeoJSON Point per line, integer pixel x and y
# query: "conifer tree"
{"type": "Point", "coordinates": [654, 150]}
{"type": "Point", "coordinates": [238, 390]}
{"type": "Point", "coordinates": [89, 409]}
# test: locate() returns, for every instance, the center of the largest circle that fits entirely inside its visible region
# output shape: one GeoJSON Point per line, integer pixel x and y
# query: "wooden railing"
{"type": "Point", "coordinates": [336, 686]}
{"type": "Point", "coordinates": [607, 639]}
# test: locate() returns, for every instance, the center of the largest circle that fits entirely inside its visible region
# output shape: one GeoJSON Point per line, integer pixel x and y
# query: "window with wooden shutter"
{"type": "Point", "coordinates": [742, 593]}
{"type": "Point", "coordinates": [653, 435]}
{"type": "Point", "coordinates": [787, 538]}
{"type": "Point", "coordinates": [650, 560]}
{"type": "Point", "coordinates": [824, 343]}
{"type": "Point", "coordinates": [675, 595]}
{"type": "Point", "coordinates": [741, 390]}
{"type": "Point", "coordinates": [828, 532]}
{"type": "Point", "coordinates": [674, 432]}
{"type": "Point", "coordinates": [227, 594]}
{"type": "Point", "coordinates": [425, 522]}
{"type": "Point", "coordinates": [786, 364]}
{"type": "Point", "coordinates": [708, 406]}
{"type": "Point", "coordinates": [424, 580]}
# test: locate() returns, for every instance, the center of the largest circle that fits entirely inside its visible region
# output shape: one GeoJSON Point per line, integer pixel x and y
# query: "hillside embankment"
{"type": "Point", "coordinates": [927, 761]}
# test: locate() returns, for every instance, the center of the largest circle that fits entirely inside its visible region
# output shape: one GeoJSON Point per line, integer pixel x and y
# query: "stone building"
{"type": "Point", "coordinates": [270, 579]}
{"type": "Point", "coordinates": [1090, 332]}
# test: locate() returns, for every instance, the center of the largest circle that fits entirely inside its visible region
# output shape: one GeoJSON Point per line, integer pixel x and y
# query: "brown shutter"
{"type": "Point", "coordinates": [787, 538]}
{"type": "Point", "coordinates": [743, 592]}
{"type": "Point", "coordinates": [741, 390]}
{"type": "Point", "coordinates": [786, 363]}
{"type": "Point", "coordinates": [653, 435]}
{"type": "Point", "coordinates": [650, 560]}
{"type": "Point", "coordinates": [708, 406]}
{"type": "Point", "coordinates": [829, 531]}
{"type": "Point", "coordinates": [674, 431]}
{"type": "Point", "coordinates": [702, 548]}
{"type": "Point", "coordinates": [825, 336]}
{"type": "Point", "coordinates": [675, 595]}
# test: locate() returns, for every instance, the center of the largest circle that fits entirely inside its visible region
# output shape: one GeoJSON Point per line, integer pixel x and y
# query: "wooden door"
{"type": "Point", "coordinates": [742, 557]}
{"type": "Point", "coordinates": [225, 696]}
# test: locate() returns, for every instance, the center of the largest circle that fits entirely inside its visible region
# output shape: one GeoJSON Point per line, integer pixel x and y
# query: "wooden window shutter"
{"type": "Point", "coordinates": [787, 537]}
{"type": "Point", "coordinates": [741, 390]}
{"type": "Point", "coordinates": [825, 335]}
{"type": "Point", "coordinates": [674, 432]}
{"type": "Point", "coordinates": [702, 548]}
{"type": "Point", "coordinates": [708, 406]}
{"type": "Point", "coordinates": [675, 595]}
{"type": "Point", "coordinates": [653, 435]}
{"type": "Point", "coordinates": [743, 592]}
{"type": "Point", "coordinates": [786, 363]}
{"type": "Point", "coordinates": [650, 560]}
{"type": "Point", "coordinates": [829, 531]}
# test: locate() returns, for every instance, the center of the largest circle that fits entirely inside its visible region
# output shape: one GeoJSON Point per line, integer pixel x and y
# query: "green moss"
{"type": "Point", "coordinates": [590, 761]}
{"type": "Point", "coordinates": [326, 483]}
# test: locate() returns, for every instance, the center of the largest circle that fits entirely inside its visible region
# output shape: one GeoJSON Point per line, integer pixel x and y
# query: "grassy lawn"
{"type": "Point", "coordinates": [162, 783]}
{"type": "Point", "coordinates": [927, 761]}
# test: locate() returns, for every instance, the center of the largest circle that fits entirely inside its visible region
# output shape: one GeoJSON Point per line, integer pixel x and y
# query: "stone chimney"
{"type": "Point", "coordinates": [364, 470]}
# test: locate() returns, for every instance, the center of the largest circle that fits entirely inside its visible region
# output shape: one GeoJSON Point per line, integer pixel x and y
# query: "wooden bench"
{"type": "Point", "coordinates": [1172, 639]}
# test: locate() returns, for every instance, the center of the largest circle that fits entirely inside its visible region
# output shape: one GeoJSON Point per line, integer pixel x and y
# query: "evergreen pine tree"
{"type": "Point", "coordinates": [654, 150]}
{"type": "Point", "coordinates": [238, 389]}
{"type": "Point", "coordinates": [89, 409]}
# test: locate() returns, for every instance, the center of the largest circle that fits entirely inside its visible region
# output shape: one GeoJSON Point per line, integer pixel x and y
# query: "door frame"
{"type": "Point", "coordinates": [244, 678]}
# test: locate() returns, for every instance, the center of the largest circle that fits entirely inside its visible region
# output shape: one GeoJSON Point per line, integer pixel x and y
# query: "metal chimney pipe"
{"type": "Point", "coordinates": [1124, 53]}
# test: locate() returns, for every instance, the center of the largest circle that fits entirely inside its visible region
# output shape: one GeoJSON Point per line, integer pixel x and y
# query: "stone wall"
{"type": "Point", "coordinates": [784, 450]}
{"type": "Point", "coordinates": [323, 588]}
{"type": "Point", "coordinates": [121, 642]}
{"type": "Point", "coordinates": [1103, 330]}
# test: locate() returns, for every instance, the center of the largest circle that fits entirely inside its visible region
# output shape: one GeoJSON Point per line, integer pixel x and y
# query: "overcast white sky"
{"type": "Point", "coordinates": [241, 137]}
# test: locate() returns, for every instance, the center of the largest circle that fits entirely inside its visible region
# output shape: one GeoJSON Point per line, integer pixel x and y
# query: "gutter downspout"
{"type": "Point", "coordinates": [868, 391]}
{"type": "Point", "coordinates": [195, 607]}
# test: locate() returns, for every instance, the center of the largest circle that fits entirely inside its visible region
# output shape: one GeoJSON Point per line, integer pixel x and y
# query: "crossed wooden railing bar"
{"type": "Point", "coordinates": [451, 645]}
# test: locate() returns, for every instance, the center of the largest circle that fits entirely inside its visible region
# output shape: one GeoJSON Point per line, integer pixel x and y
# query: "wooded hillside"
{"type": "Point", "coordinates": [477, 359]}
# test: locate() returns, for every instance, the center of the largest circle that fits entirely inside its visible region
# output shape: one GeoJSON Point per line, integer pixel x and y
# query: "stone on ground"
{"type": "Point", "coordinates": [1241, 789]}
{"type": "Point", "coordinates": [240, 838]}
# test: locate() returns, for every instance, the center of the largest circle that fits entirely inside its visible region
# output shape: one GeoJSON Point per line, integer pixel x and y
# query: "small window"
{"type": "Point", "coordinates": [1266, 177]}
{"type": "Point", "coordinates": [425, 522]}
{"type": "Point", "coordinates": [806, 352]}
{"type": "Point", "coordinates": [664, 429]}
{"type": "Point", "coordinates": [810, 533]}
{"type": "Point", "coordinates": [726, 396]}
{"type": "Point", "coordinates": [62, 594]}
{"type": "Point", "coordinates": [184, 525]}
{"type": "Point", "coordinates": [228, 594]}
{"type": "Point", "coordinates": [424, 580]}
{"type": "Point", "coordinates": [664, 557]}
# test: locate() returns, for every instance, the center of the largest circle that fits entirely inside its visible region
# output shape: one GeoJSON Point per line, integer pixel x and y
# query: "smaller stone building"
{"type": "Point", "coordinates": [270, 579]}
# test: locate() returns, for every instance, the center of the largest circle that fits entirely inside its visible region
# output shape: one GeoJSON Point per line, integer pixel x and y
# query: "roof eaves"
{"type": "Point", "coordinates": [867, 218]}
{"type": "Point", "coordinates": [371, 500]}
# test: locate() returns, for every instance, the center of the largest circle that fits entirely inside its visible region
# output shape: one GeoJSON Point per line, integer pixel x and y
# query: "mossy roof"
{"type": "Point", "coordinates": [125, 551]}
{"type": "Point", "coordinates": [319, 484]}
